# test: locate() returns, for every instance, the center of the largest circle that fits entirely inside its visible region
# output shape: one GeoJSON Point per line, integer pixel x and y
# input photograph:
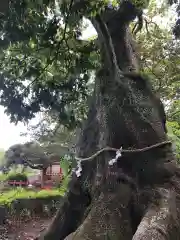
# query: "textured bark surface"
{"type": "Point", "coordinates": [136, 198]}
{"type": "Point", "coordinates": [110, 209]}
{"type": "Point", "coordinates": [161, 221]}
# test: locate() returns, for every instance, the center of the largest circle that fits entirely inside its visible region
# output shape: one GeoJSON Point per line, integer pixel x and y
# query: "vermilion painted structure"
{"type": "Point", "coordinates": [48, 176]}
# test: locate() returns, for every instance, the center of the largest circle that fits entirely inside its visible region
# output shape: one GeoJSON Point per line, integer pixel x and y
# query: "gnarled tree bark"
{"type": "Point", "coordinates": [137, 197]}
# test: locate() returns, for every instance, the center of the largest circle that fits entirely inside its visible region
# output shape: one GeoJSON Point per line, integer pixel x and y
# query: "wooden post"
{"type": "Point", "coordinates": [50, 172]}
{"type": "Point", "coordinates": [60, 173]}
{"type": "Point", "coordinates": [43, 175]}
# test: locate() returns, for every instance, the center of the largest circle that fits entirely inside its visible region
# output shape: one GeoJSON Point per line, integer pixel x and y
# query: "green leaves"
{"type": "Point", "coordinates": [159, 54]}
{"type": "Point", "coordinates": [140, 3]}
{"type": "Point", "coordinates": [174, 135]}
{"type": "Point", "coordinates": [65, 163]}
{"type": "Point", "coordinates": [47, 66]}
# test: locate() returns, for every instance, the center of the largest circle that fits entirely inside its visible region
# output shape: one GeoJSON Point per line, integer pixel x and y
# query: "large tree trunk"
{"type": "Point", "coordinates": [137, 197]}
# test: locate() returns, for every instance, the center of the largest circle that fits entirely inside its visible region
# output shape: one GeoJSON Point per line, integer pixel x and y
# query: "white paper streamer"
{"type": "Point", "coordinates": [79, 169]}
{"type": "Point", "coordinates": [111, 162]}
{"type": "Point", "coordinates": [118, 155]}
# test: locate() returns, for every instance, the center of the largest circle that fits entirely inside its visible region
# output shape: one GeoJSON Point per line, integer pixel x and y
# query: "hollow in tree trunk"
{"type": "Point", "coordinates": [137, 197]}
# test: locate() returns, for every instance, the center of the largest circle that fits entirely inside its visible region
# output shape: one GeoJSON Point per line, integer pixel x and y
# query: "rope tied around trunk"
{"type": "Point", "coordinates": [118, 154]}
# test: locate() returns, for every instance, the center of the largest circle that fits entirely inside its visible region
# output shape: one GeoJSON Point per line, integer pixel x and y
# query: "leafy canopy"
{"type": "Point", "coordinates": [46, 66]}
{"type": "Point", "coordinates": [44, 63]}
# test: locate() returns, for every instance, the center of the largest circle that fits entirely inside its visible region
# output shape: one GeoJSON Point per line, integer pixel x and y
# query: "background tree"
{"type": "Point", "coordinates": [34, 155]}
{"type": "Point", "coordinates": [158, 53]}
{"type": "Point", "coordinates": [49, 130]}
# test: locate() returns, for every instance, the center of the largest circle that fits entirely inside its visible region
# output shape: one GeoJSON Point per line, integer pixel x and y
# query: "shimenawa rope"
{"type": "Point", "coordinates": [118, 154]}
{"type": "Point", "coordinates": [123, 150]}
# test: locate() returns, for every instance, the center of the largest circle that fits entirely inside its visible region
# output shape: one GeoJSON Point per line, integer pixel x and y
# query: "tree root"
{"type": "Point", "coordinates": [161, 222]}
{"type": "Point", "coordinates": [155, 215]}
{"type": "Point", "coordinates": [109, 217]}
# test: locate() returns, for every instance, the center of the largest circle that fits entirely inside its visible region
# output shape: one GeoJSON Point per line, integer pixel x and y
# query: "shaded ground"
{"type": "Point", "coordinates": [23, 230]}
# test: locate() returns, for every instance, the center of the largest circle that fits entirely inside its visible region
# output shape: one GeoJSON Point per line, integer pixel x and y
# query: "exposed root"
{"type": "Point", "coordinates": [161, 222]}
{"type": "Point", "coordinates": [109, 217]}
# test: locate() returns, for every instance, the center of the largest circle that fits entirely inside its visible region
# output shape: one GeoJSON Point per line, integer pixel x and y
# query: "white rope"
{"type": "Point", "coordinates": [123, 150]}
{"type": "Point", "coordinates": [118, 154]}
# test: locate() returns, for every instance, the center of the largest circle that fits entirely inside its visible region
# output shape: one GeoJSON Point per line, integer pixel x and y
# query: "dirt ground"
{"type": "Point", "coordinates": [23, 230]}
{"type": "Point", "coordinates": [16, 229]}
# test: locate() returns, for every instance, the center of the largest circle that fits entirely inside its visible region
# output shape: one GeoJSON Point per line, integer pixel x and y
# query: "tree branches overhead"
{"type": "Point", "coordinates": [44, 63]}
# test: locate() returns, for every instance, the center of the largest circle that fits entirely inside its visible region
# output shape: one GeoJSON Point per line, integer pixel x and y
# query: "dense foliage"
{"type": "Point", "coordinates": [45, 64]}
{"type": "Point", "coordinates": [42, 67]}
{"type": "Point", "coordinates": [34, 155]}
{"type": "Point", "coordinates": [48, 67]}
{"type": "Point", "coordinates": [159, 57]}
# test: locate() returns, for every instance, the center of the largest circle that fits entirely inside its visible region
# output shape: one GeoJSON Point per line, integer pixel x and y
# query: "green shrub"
{"type": "Point", "coordinates": [11, 174]}
{"type": "Point", "coordinates": [18, 177]}
{"type": "Point", "coordinates": [7, 197]}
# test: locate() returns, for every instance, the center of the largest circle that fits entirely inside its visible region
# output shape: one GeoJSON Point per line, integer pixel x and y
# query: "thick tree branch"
{"type": "Point", "coordinates": [38, 166]}
{"type": "Point", "coordinates": [106, 41]}
{"type": "Point", "coordinates": [126, 13]}
{"type": "Point", "coordinates": [138, 26]}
